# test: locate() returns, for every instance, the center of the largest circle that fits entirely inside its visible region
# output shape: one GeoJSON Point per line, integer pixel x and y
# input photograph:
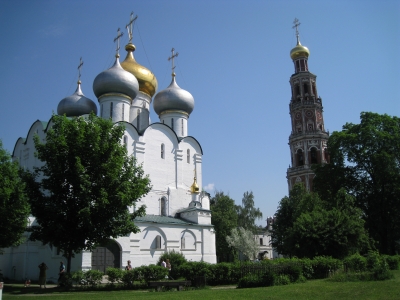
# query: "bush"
{"type": "Point", "coordinates": [66, 281]}
{"type": "Point", "coordinates": [250, 281]}
{"type": "Point", "coordinates": [323, 266]}
{"type": "Point", "coordinates": [268, 278]}
{"type": "Point", "coordinates": [79, 277]}
{"type": "Point", "coordinates": [128, 277]}
{"type": "Point", "coordinates": [373, 260]}
{"type": "Point", "coordinates": [220, 273]}
{"type": "Point", "coordinates": [294, 271]}
{"type": "Point", "coordinates": [114, 275]}
{"type": "Point", "coordinates": [93, 277]}
{"type": "Point", "coordinates": [190, 270]}
{"type": "Point", "coordinates": [393, 261]}
{"type": "Point", "coordinates": [381, 270]}
{"type": "Point", "coordinates": [281, 279]}
{"type": "Point", "coordinates": [151, 273]}
{"type": "Point", "coordinates": [176, 259]}
{"type": "Point", "coordinates": [355, 263]}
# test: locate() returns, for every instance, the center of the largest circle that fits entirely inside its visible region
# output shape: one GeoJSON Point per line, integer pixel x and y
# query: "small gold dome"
{"type": "Point", "coordinates": [195, 188]}
{"type": "Point", "coordinates": [299, 50]}
{"type": "Point", "coordinates": [147, 80]}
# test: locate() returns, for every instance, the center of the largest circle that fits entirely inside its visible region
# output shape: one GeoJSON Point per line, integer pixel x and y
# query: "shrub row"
{"type": "Point", "coordinates": [247, 274]}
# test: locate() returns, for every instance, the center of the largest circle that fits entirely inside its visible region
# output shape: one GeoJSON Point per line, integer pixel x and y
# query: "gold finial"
{"type": "Point", "coordinates": [297, 24]}
{"type": "Point", "coordinates": [79, 70]}
{"type": "Point", "coordinates": [129, 27]}
{"type": "Point", "coordinates": [195, 188]}
{"type": "Point", "coordinates": [117, 39]}
{"type": "Point", "coordinates": [173, 66]}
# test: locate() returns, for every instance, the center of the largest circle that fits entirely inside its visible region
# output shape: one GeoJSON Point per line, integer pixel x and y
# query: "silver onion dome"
{"type": "Point", "coordinates": [116, 80]}
{"type": "Point", "coordinates": [76, 104]}
{"type": "Point", "coordinates": [173, 98]}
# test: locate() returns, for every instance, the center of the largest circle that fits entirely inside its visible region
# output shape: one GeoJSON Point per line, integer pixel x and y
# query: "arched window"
{"type": "Point", "coordinates": [126, 142]}
{"type": "Point", "coordinates": [163, 206]}
{"type": "Point", "coordinates": [138, 119]}
{"type": "Point", "coordinates": [183, 242]}
{"type": "Point", "coordinates": [172, 123]}
{"type": "Point", "coordinates": [158, 242]}
{"type": "Point", "coordinates": [297, 66]}
{"type": "Point", "coordinates": [101, 110]}
{"type": "Point", "coordinates": [183, 133]}
{"type": "Point", "coordinates": [314, 158]}
{"type": "Point", "coordinates": [305, 87]}
{"type": "Point", "coordinates": [111, 109]}
{"type": "Point", "coordinates": [297, 88]}
{"type": "Point", "coordinates": [302, 65]}
{"type": "Point", "coordinates": [314, 90]}
{"type": "Point", "coordinates": [188, 156]}
{"type": "Point", "coordinates": [162, 151]}
{"type": "Point", "coordinates": [300, 159]}
{"type": "Point", "coordinates": [123, 111]}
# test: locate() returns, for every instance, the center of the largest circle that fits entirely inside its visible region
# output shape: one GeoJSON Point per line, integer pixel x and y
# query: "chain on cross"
{"type": "Point", "coordinates": [120, 34]}
{"type": "Point", "coordinates": [172, 58]}
{"type": "Point", "coordinates": [129, 26]}
{"type": "Point", "coordinates": [79, 69]}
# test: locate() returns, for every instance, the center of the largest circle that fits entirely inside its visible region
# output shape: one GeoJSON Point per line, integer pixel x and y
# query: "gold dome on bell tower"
{"type": "Point", "coordinates": [299, 50]}
{"type": "Point", "coordinates": [147, 80]}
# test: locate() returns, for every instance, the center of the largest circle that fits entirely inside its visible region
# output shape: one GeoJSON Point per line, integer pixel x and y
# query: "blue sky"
{"type": "Point", "coordinates": [233, 58]}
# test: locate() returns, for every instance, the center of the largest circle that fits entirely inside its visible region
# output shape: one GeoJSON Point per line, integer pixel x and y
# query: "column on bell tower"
{"type": "Point", "coordinates": [308, 138]}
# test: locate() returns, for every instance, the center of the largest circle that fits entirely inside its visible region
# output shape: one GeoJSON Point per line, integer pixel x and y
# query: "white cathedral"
{"type": "Point", "coordinates": [178, 215]}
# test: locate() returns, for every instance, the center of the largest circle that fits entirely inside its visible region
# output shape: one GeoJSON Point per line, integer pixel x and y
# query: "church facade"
{"type": "Point", "coordinates": [178, 216]}
{"type": "Point", "coordinates": [308, 139]}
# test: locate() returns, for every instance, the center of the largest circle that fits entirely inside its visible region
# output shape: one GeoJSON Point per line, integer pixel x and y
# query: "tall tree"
{"type": "Point", "coordinates": [244, 241]}
{"type": "Point", "coordinates": [306, 226]}
{"type": "Point", "coordinates": [14, 207]}
{"type": "Point", "coordinates": [224, 219]}
{"type": "Point", "coordinates": [83, 191]}
{"type": "Point", "coordinates": [365, 160]}
{"type": "Point", "coordinates": [248, 214]}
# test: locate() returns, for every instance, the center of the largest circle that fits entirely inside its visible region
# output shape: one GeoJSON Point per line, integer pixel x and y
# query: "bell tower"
{"type": "Point", "coordinates": [308, 139]}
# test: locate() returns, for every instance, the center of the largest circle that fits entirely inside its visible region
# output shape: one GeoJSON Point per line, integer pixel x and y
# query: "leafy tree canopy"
{"type": "Point", "coordinates": [224, 218]}
{"type": "Point", "coordinates": [306, 226]}
{"type": "Point", "coordinates": [365, 160]}
{"type": "Point", "coordinates": [14, 207]}
{"type": "Point", "coordinates": [243, 240]}
{"type": "Point", "coordinates": [82, 193]}
{"type": "Point", "coordinates": [248, 214]}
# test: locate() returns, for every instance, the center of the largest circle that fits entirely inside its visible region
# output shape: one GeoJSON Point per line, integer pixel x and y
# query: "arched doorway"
{"type": "Point", "coordinates": [106, 256]}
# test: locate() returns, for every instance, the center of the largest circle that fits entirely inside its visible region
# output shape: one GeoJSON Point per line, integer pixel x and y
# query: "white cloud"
{"type": "Point", "coordinates": [209, 187]}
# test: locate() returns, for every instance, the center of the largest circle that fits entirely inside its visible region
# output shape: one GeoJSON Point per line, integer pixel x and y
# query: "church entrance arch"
{"type": "Point", "coordinates": [106, 256]}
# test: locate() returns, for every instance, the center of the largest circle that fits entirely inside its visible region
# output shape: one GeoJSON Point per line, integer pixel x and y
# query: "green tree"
{"type": "Point", "coordinates": [14, 207]}
{"type": "Point", "coordinates": [224, 219]}
{"type": "Point", "coordinates": [248, 214]}
{"type": "Point", "coordinates": [243, 240]}
{"type": "Point", "coordinates": [82, 193]}
{"type": "Point", "coordinates": [365, 160]}
{"type": "Point", "coordinates": [306, 226]}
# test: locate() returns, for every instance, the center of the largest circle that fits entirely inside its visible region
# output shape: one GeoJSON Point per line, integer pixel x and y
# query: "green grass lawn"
{"type": "Point", "coordinates": [313, 289]}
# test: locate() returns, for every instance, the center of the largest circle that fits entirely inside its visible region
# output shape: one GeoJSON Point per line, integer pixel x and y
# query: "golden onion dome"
{"type": "Point", "coordinates": [195, 187]}
{"type": "Point", "coordinates": [299, 50]}
{"type": "Point", "coordinates": [147, 80]}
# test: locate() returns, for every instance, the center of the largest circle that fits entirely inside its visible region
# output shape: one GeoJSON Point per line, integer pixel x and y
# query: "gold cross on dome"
{"type": "Point", "coordinates": [172, 58]}
{"type": "Point", "coordinates": [296, 24]}
{"type": "Point", "coordinates": [79, 69]}
{"type": "Point", "coordinates": [129, 26]}
{"type": "Point", "coordinates": [117, 39]}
